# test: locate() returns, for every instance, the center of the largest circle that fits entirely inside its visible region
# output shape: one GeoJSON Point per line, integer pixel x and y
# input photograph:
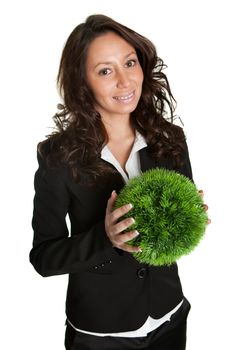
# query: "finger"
{"type": "Point", "coordinates": [122, 226]}
{"type": "Point", "coordinates": [128, 236]}
{"type": "Point", "coordinates": [206, 207]}
{"type": "Point", "coordinates": [201, 192]}
{"type": "Point", "coordinates": [119, 212]}
{"type": "Point", "coordinates": [130, 249]}
{"type": "Point", "coordinates": [125, 237]}
{"type": "Point", "coordinates": [122, 239]}
{"type": "Point", "coordinates": [111, 202]}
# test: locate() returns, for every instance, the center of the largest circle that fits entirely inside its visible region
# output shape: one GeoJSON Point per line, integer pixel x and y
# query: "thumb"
{"type": "Point", "coordinates": [111, 201]}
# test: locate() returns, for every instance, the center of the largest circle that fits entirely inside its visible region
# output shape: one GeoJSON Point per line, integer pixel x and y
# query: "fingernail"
{"type": "Point", "coordinates": [136, 233]}
{"type": "Point", "coordinates": [139, 250]}
{"type": "Point", "coordinates": [129, 206]}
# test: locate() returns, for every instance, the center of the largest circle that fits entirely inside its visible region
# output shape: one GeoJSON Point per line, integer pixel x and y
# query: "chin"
{"type": "Point", "coordinates": [128, 108]}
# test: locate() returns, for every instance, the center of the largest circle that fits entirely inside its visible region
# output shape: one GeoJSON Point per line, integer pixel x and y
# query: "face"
{"type": "Point", "coordinates": [114, 75]}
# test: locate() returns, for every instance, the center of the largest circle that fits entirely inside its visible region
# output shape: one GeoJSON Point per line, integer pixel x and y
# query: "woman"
{"type": "Point", "coordinates": [111, 127]}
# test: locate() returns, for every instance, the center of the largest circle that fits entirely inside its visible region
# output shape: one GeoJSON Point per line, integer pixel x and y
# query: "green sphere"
{"type": "Point", "coordinates": [169, 215]}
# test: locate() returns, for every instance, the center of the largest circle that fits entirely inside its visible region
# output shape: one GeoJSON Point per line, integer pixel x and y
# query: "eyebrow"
{"type": "Point", "coordinates": [110, 62]}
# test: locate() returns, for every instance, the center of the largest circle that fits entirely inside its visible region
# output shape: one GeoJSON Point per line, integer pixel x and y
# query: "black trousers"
{"type": "Point", "coordinates": [170, 336]}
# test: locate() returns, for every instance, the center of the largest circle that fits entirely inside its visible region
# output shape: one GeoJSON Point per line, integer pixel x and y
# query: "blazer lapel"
{"type": "Point", "coordinates": [146, 161]}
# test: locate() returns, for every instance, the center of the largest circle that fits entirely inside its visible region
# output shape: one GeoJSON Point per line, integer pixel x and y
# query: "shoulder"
{"type": "Point", "coordinates": [48, 147]}
{"type": "Point", "coordinates": [50, 165]}
{"type": "Point", "coordinates": [50, 151]}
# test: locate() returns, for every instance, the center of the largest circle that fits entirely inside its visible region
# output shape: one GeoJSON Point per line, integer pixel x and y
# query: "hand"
{"type": "Point", "coordinates": [115, 228]}
{"type": "Point", "coordinates": [205, 205]}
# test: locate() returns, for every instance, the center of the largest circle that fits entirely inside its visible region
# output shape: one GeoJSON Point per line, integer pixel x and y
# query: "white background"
{"type": "Point", "coordinates": [194, 39]}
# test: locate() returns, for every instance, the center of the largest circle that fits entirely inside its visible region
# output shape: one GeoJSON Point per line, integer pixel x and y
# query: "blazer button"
{"type": "Point", "coordinates": [141, 273]}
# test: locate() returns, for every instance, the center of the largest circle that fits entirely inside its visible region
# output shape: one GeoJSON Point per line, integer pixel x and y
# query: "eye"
{"type": "Point", "coordinates": [105, 71]}
{"type": "Point", "coordinates": [131, 63]}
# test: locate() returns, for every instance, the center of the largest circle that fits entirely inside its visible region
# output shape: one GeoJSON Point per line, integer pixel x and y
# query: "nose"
{"type": "Point", "coordinates": [123, 79]}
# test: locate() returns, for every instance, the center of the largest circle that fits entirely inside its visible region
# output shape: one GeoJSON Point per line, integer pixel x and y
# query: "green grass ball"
{"type": "Point", "coordinates": [169, 215]}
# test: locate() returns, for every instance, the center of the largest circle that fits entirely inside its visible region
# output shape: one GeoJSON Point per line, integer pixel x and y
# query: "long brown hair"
{"type": "Point", "coordinates": [80, 134]}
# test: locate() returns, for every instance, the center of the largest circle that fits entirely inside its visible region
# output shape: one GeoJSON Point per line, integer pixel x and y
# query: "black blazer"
{"type": "Point", "coordinates": [108, 290]}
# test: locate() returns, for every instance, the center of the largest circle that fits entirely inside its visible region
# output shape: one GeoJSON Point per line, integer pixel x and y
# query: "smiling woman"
{"type": "Point", "coordinates": [110, 128]}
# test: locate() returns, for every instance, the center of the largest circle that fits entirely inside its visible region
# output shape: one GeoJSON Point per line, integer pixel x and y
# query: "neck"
{"type": "Point", "coordinates": [119, 128]}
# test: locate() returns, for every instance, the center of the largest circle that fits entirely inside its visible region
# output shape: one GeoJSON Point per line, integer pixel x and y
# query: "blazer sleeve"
{"type": "Point", "coordinates": [54, 252]}
{"type": "Point", "coordinates": [186, 167]}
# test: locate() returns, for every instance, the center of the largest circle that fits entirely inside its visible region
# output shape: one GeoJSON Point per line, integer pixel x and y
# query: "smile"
{"type": "Point", "coordinates": [125, 98]}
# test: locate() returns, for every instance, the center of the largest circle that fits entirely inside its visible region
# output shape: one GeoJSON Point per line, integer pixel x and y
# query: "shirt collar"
{"type": "Point", "coordinates": [139, 143]}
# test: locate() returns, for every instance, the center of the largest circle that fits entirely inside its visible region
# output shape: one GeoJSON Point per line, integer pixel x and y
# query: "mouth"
{"type": "Point", "coordinates": [126, 97]}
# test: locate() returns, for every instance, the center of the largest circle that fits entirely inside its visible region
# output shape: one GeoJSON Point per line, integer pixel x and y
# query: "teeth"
{"type": "Point", "coordinates": [124, 97]}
